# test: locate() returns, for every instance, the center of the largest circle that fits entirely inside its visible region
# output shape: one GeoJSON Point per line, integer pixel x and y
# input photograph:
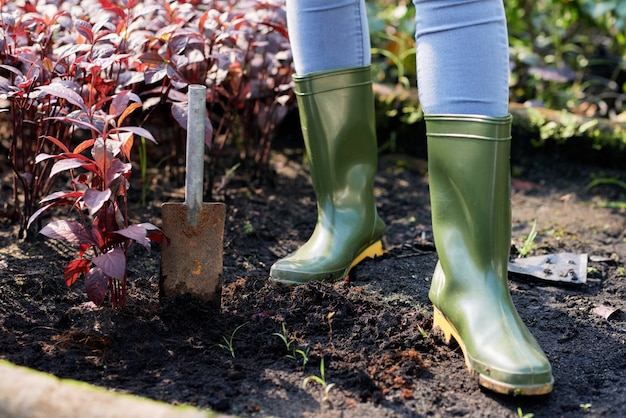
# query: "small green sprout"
{"type": "Point", "coordinates": [529, 242]}
{"type": "Point", "coordinates": [520, 414]}
{"type": "Point", "coordinates": [586, 407]}
{"type": "Point", "coordinates": [303, 354]}
{"type": "Point", "coordinates": [292, 351]}
{"type": "Point", "coordinates": [321, 379]}
{"type": "Point", "coordinates": [285, 338]}
{"type": "Point", "coordinates": [422, 332]}
{"type": "Point", "coordinates": [228, 342]}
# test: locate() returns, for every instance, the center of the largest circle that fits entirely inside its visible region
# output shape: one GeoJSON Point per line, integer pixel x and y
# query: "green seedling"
{"type": "Point", "coordinates": [292, 352]}
{"type": "Point", "coordinates": [422, 332]}
{"type": "Point", "coordinates": [520, 414]}
{"type": "Point", "coordinates": [586, 407]}
{"type": "Point", "coordinates": [529, 242]}
{"type": "Point", "coordinates": [304, 355]}
{"type": "Point", "coordinates": [285, 337]}
{"type": "Point", "coordinates": [249, 228]}
{"type": "Point", "coordinates": [321, 379]}
{"type": "Point", "coordinates": [228, 342]}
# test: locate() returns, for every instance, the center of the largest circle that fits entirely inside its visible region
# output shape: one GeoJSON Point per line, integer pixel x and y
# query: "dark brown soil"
{"type": "Point", "coordinates": [373, 331]}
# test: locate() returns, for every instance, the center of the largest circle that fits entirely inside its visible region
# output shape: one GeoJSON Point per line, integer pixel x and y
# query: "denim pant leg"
{"type": "Point", "coordinates": [462, 56]}
{"type": "Point", "coordinates": [462, 49]}
{"type": "Point", "coordinates": [328, 34]}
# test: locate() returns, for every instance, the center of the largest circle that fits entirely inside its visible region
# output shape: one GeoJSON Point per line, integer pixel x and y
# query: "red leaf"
{"type": "Point", "coordinates": [43, 156]}
{"type": "Point", "coordinates": [94, 199]}
{"type": "Point", "coordinates": [156, 237]}
{"type": "Point", "coordinates": [119, 103]}
{"type": "Point", "coordinates": [64, 194]}
{"type": "Point", "coordinates": [139, 234]}
{"type": "Point", "coordinates": [66, 164]}
{"type": "Point", "coordinates": [117, 10]}
{"type": "Point", "coordinates": [154, 75]}
{"type": "Point", "coordinates": [74, 51]}
{"type": "Point", "coordinates": [84, 145]}
{"type": "Point", "coordinates": [180, 113]}
{"type": "Point", "coordinates": [138, 131]}
{"type": "Point", "coordinates": [96, 285]}
{"type": "Point", "coordinates": [98, 235]}
{"type": "Point", "coordinates": [113, 263]}
{"type": "Point", "coordinates": [116, 169]}
{"type": "Point", "coordinates": [84, 28]}
{"type": "Point", "coordinates": [39, 212]}
{"type": "Point", "coordinates": [71, 231]}
{"type": "Point", "coordinates": [134, 232]}
{"type": "Point", "coordinates": [74, 269]}
{"type": "Point", "coordinates": [151, 58]}
{"type": "Point", "coordinates": [277, 28]}
{"type": "Point", "coordinates": [130, 109]}
{"type": "Point", "coordinates": [57, 143]}
{"type": "Point", "coordinates": [82, 249]}
{"type": "Point", "coordinates": [59, 90]}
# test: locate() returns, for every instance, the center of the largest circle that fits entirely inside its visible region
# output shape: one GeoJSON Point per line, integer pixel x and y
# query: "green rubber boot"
{"type": "Point", "coordinates": [468, 160]}
{"type": "Point", "coordinates": [337, 117]}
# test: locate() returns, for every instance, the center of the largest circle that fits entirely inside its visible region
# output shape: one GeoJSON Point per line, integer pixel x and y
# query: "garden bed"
{"type": "Point", "coordinates": [373, 331]}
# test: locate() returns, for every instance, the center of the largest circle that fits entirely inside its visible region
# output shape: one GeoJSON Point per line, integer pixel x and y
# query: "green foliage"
{"type": "Point", "coordinates": [392, 32]}
{"type": "Point", "coordinates": [564, 54]}
{"type": "Point", "coordinates": [567, 127]}
{"type": "Point", "coordinates": [611, 182]}
{"type": "Point", "coordinates": [568, 55]}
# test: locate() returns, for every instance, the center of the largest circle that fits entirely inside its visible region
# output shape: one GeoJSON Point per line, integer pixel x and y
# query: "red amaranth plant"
{"type": "Point", "coordinates": [98, 186]}
{"type": "Point", "coordinates": [83, 78]}
{"type": "Point", "coordinates": [238, 48]}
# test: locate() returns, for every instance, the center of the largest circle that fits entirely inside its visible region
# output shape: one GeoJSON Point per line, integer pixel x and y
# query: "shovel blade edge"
{"type": "Point", "coordinates": [192, 255]}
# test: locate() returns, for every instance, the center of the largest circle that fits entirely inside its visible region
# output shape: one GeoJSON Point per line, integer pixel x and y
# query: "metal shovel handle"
{"type": "Point", "coordinates": [194, 175]}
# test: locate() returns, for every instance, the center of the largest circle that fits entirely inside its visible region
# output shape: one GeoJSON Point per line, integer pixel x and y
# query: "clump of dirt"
{"type": "Point", "coordinates": [373, 332]}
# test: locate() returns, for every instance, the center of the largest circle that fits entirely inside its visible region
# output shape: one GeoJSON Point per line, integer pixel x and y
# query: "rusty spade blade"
{"type": "Point", "coordinates": [192, 254]}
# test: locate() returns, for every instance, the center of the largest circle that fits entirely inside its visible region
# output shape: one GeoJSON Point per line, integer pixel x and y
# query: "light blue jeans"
{"type": "Point", "coordinates": [462, 49]}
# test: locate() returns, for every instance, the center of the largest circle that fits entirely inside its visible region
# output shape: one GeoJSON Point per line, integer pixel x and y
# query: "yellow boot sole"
{"type": "Point", "coordinates": [449, 331]}
{"type": "Point", "coordinates": [375, 249]}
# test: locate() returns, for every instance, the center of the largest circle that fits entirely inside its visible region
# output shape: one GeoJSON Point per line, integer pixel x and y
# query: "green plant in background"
{"type": "Point", "coordinates": [529, 242]}
{"type": "Point", "coordinates": [564, 55]}
{"type": "Point", "coordinates": [422, 332]}
{"type": "Point", "coordinates": [610, 15]}
{"type": "Point", "coordinates": [321, 379]}
{"type": "Point", "coordinates": [567, 127]}
{"type": "Point", "coordinates": [392, 30]}
{"type": "Point", "coordinates": [568, 55]}
{"type": "Point", "coordinates": [608, 181]}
